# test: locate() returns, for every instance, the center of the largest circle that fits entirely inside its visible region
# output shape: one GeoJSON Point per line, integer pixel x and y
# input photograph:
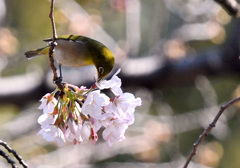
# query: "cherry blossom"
{"type": "Point", "coordinates": [93, 104]}
{"type": "Point", "coordinates": [77, 113]}
{"type": "Point", "coordinates": [73, 133]}
{"type": "Point", "coordinates": [123, 107]}
{"type": "Point", "coordinates": [115, 132]}
{"type": "Point", "coordinates": [114, 84]}
{"type": "Point", "coordinates": [51, 132]}
{"type": "Point", "coordinates": [48, 102]}
{"type": "Point", "coordinates": [45, 119]}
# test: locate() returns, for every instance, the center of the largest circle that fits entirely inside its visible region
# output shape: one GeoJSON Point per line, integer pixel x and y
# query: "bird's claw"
{"type": "Point", "coordinates": [58, 80]}
{"type": "Point", "coordinates": [52, 43]}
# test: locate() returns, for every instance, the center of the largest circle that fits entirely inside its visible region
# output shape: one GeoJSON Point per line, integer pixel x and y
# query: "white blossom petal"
{"type": "Point", "coordinates": [115, 132]}
{"type": "Point", "coordinates": [74, 132]}
{"type": "Point", "coordinates": [73, 127]}
{"type": "Point", "coordinates": [114, 84]}
{"type": "Point", "coordinates": [51, 132]}
{"type": "Point", "coordinates": [46, 119]}
{"type": "Point", "coordinates": [123, 107]}
{"type": "Point", "coordinates": [94, 103]}
{"type": "Point", "coordinates": [48, 103]}
{"type": "Point", "coordinates": [86, 130]}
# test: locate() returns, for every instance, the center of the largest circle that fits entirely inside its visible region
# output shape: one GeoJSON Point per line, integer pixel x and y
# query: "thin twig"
{"type": "Point", "coordinates": [15, 154]}
{"type": "Point", "coordinates": [56, 79]}
{"type": "Point", "coordinates": [54, 69]}
{"type": "Point", "coordinates": [52, 21]}
{"type": "Point", "coordinates": [9, 160]}
{"type": "Point", "coordinates": [208, 129]}
{"type": "Point", "coordinates": [231, 7]}
{"type": "Point", "coordinates": [51, 61]}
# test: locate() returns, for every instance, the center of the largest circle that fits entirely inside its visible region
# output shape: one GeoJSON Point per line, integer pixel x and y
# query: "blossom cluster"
{"type": "Point", "coordinates": [76, 114]}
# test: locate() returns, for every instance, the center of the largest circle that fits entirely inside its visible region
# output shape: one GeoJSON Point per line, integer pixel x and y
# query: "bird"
{"type": "Point", "coordinates": [78, 51]}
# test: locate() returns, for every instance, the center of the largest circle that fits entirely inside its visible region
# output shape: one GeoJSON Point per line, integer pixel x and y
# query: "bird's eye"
{"type": "Point", "coordinates": [101, 70]}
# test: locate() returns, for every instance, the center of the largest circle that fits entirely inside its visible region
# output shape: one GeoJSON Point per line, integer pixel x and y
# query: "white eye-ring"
{"type": "Point", "coordinates": [101, 70]}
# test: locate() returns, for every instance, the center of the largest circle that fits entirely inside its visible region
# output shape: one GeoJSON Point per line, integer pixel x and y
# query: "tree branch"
{"type": "Point", "coordinates": [57, 80]}
{"type": "Point", "coordinates": [208, 129]}
{"type": "Point", "coordinates": [10, 150]}
{"type": "Point", "coordinates": [9, 160]}
{"type": "Point", "coordinates": [51, 15]}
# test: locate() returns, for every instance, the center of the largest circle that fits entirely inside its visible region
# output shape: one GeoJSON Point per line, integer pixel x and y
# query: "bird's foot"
{"type": "Point", "coordinates": [58, 80]}
{"type": "Point", "coordinates": [52, 43]}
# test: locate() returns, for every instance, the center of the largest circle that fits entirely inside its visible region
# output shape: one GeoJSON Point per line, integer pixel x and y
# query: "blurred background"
{"type": "Point", "coordinates": [180, 57]}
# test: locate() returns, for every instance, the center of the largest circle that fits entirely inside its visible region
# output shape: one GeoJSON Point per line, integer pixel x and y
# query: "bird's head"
{"type": "Point", "coordinates": [105, 63]}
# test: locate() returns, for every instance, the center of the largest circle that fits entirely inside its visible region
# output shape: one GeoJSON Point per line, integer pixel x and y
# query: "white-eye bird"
{"type": "Point", "coordinates": [79, 51]}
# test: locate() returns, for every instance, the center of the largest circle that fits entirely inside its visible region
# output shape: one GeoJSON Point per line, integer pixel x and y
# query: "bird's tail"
{"type": "Point", "coordinates": [40, 51]}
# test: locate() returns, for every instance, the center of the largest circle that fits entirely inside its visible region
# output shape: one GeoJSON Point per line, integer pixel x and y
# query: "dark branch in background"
{"type": "Point", "coordinates": [231, 6]}
{"type": "Point", "coordinates": [219, 61]}
{"type": "Point", "coordinates": [181, 73]}
{"type": "Point", "coordinates": [208, 129]}
{"type": "Point", "coordinates": [15, 154]}
{"type": "Point", "coordinates": [222, 60]}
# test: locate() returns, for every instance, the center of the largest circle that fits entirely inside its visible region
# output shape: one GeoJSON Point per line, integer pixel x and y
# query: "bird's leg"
{"type": "Point", "coordinates": [60, 71]}
{"type": "Point", "coordinates": [58, 80]}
